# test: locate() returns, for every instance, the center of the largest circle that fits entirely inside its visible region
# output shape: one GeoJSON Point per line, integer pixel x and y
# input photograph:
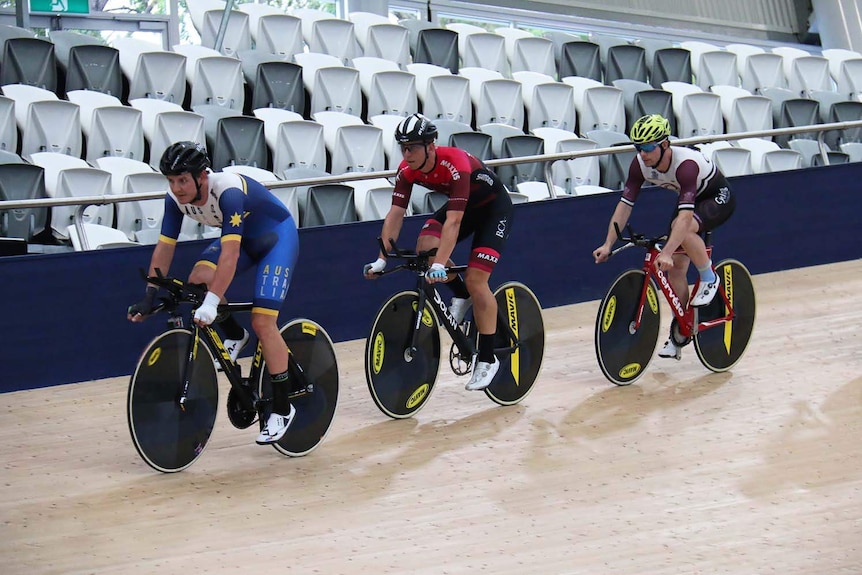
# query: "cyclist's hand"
{"type": "Point", "coordinates": [601, 254]}
{"type": "Point", "coordinates": [208, 311]}
{"type": "Point", "coordinates": [139, 311]}
{"type": "Point", "coordinates": [436, 273]}
{"type": "Point", "coordinates": [369, 270]}
{"type": "Point", "coordinates": [664, 262]}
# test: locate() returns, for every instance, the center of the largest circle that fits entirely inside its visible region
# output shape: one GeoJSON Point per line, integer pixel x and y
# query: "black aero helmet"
{"type": "Point", "coordinates": [415, 128]}
{"type": "Point", "coordinates": [182, 157]}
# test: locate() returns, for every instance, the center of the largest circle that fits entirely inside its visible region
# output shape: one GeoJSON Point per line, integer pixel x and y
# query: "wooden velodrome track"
{"type": "Point", "coordinates": [754, 471]}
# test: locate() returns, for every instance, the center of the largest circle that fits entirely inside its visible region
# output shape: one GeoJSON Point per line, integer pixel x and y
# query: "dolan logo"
{"type": "Point", "coordinates": [426, 315]}
{"type": "Point", "coordinates": [610, 310]}
{"type": "Point", "coordinates": [309, 328]}
{"type": "Point", "coordinates": [652, 300]}
{"type": "Point", "coordinates": [154, 357]}
{"type": "Point", "coordinates": [417, 396]}
{"type": "Point", "coordinates": [630, 370]}
{"type": "Point", "coordinates": [377, 362]}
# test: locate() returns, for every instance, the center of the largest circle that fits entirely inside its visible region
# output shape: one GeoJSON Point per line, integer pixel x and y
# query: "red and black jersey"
{"type": "Point", "coordinates": [461, 176]}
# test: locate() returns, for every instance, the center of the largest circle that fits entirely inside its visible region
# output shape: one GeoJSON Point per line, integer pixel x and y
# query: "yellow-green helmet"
{"type": "Point", "coordinates": [651, 128]}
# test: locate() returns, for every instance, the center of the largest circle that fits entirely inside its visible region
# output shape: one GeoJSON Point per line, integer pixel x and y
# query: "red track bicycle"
{"type": "Point", "coordinates": [627, 324]}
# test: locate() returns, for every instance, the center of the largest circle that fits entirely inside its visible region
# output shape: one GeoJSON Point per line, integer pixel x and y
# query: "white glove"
{"type": "Point", "coordinates": [206, 314]}
{"type": "Point", "coordinates": [374, 267]}
{"type": "Point", "coordinates": [437, 271]}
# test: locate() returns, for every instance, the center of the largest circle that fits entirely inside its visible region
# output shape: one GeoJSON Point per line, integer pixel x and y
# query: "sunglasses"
{"type": "Point", "coordinates": [411, 147]}
{"type": "Point", "coordinates": [647, 147]}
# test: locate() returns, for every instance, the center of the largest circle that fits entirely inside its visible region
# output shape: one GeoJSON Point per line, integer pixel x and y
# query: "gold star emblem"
{"type": "Point", "coordinates": [235, 220]}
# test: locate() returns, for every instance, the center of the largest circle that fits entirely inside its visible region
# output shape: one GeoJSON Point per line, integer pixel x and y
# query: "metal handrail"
{"type": "Point", "coordinates": [355, 176]}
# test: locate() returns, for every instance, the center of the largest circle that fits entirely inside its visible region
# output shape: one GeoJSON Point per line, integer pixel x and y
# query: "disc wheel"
{"type": "Point", "coordinates": [623, 352]}
{"type": "Point", "coordinates": [721, 346]}
{"type": "Point", "coordinates": [521, 311]}
{"type": "Point", "coordinates": [312, 350]}
{"type": "Point", "coordinates": [170, 436]}
{"type": "Point", "coordinates": [401, 381]}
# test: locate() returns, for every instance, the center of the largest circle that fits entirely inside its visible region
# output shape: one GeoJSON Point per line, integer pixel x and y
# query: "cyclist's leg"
{"type": "Point", "coordinates": [203, 273]}
{"type": "Point", "coordinates": [429, 238]}
{"type": "Point", "coordinates": [709, 213]}
{"type": "Point", "coordinates": [274, 272]}
{"type": "Point", "coordinates": [491, 231]}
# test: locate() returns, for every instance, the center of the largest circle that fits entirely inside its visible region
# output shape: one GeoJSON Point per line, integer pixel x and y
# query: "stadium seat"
{"type": "Point", "coordinates": [448, 98]}
{"type": "Point", "coordinates": [717, 67]}
{"type": "Point", "coordinates": [548, 103]}
{"type": "Point", "coordinates": [152, 72]}
{"type": "Point", "coordinates": [519, 146]}
{"type": "Point", "coordinates": [299, 144]}
{"type": "Point", "coordinates": [569, 174]}
{"type": "Point", "coordinates": [372, 198]}
{"type": "Point", "coordinates": [478, 144]}
{"type": "Point", "coordinates": [8, 125]}
{"type": "Point", "coordinates": [581, 59]}
{"type": "Point", "coordinates": [438, 46]}
{"type": "Point", "coordinates": [52, 126]}
{"type": "Point", "coordinates": [625, 61]}
{"type": "Point", "coordinates": [29, 61]}
{"type": "Point", "coordinates": [273, 31]}
{"type": "Point", "coordinates": [387, 124]}
{"type": "Point", "coordinates": [335, 37]}
{"type": "Point", "coordinates": [98, 237]}
{"type": "Point", "coordinates": [236, 36]}
{"type": "Point", "coordinates": [484, 50]}
{"type": "Point", "coordinates": [653, 102]}
{"type": "Point", "coordinates": [498, 133]}
{"type": "Point", "coordinates": [602, 108]}
{"type": "Point", "coordinates": [86, 63]}
{"type": "Point", "coordinates": [762, 71]}
{"type": "Point", "coordinates": [67, 177]}
{"type": "Point", "coordinates": [767, 156]}
{"type": "Point", "coordinates": [671, 65]}
{"type": "Point", "coordinates": [328, 204]}
{"type": "Point", "coordinates": [382, 39]}
{"type": "Point", "coordinates": [22, 181]}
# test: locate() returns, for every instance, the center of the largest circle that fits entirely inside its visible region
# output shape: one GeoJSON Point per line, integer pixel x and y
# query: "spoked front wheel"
{"type": "Point", "coordinates": [316, 369]}
{"type": "Point", "coordinates": [399, 378]}
{"type": "Point", "coordinates": [170, 435]}
{"type": "Point", "coordinates": [519, 367]}
{"type": "Point", "coordinates": [721, 346]}
{"type": "Point", "coordinates": [623, 351]}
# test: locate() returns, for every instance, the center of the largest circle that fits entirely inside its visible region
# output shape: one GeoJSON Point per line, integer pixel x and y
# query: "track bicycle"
{"type": "Point", "coordinates": [402, 353]}
{"type": "Point", "coordinates": [173, 394]}
{"type": "Point", "coordinates": [627, 323]}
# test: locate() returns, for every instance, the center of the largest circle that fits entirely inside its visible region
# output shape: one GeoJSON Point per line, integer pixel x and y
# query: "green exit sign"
{"type": "Point", "coordinates": [63, 6]}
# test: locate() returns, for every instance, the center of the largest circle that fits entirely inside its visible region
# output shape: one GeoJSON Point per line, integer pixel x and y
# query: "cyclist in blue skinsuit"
{"type": "Point", "coordinates": [257, 230]}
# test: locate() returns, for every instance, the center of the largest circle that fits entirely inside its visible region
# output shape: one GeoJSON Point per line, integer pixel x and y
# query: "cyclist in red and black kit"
{"type": "Point", "coordinates": [478, 205]}
{"type": "Point", "coordinates": [705, 202]}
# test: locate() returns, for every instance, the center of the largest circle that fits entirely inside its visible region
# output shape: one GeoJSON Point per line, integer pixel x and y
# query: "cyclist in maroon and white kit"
{"type": "Point", "coordinates": [705, 202]}
{"type": "Point", "coordinates": [478, 205]}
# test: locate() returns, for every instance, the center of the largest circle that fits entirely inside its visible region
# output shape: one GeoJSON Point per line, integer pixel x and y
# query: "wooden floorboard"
{"type": "Point", "coordinates": [754, 471]}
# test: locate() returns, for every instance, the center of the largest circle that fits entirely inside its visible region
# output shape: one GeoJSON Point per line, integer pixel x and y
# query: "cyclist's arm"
{"type": "Point", "coordinates": [449, 236]}
{"type": "Point", "coordinates": [392, 226]}
{"type": "Point", "coordinates": [163, 255]}
{"type": "Point", "coordinates": [621, 217]}
{"type": "Point", "coordinates": [226, 266]}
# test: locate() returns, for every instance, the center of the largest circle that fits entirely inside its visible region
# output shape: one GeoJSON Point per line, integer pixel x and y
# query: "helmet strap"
{"type": "Point", "coordinates": [660, 156]}
{"type": "Point", "coordinates": [427, 159]}
{"type": "Point", "coordinates": [198, 188]}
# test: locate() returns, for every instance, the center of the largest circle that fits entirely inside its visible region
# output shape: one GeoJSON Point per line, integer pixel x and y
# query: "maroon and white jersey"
{"type": "Point", "coordinates": [691, 175]}
{"type": "Point", "coordinates": [461, 176]}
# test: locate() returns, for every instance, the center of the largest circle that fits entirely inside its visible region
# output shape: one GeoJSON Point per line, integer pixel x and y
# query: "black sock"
{"type": "Point", "coordinates": [486, 347]}
{"type": "Point", "coordinates": [231, 328]}
{"type": "Point", "coordinates": [280, 402]}
{"type": "Point", "coordinates": [458, 287]}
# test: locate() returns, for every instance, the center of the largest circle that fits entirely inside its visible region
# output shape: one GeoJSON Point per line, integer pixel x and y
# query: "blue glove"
{"type": "Point", "coordinates": [437, 272]}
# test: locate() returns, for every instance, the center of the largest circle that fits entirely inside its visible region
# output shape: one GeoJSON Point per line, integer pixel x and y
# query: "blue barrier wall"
{"type": "Point", "coordinates": [63, 315]}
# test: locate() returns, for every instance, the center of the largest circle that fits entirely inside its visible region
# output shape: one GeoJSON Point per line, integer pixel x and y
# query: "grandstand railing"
{"type": "Point", "coordinates": [84, 201]}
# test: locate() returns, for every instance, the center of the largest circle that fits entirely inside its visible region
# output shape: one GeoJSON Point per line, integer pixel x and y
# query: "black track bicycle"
{"type": "Point", "coordinates": [402, 353]}
{"type": "Point", "coordinates": [173, 394]}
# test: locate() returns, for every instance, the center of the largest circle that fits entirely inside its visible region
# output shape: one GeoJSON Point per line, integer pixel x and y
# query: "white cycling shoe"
{"type": "Point", "coordinates": [483, 375]}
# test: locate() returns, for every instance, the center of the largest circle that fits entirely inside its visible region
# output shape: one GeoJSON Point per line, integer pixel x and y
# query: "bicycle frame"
{"type": "Point", "coordinates": [428, 292]}
{"type": "Point", "coordinates": [686, 317]}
